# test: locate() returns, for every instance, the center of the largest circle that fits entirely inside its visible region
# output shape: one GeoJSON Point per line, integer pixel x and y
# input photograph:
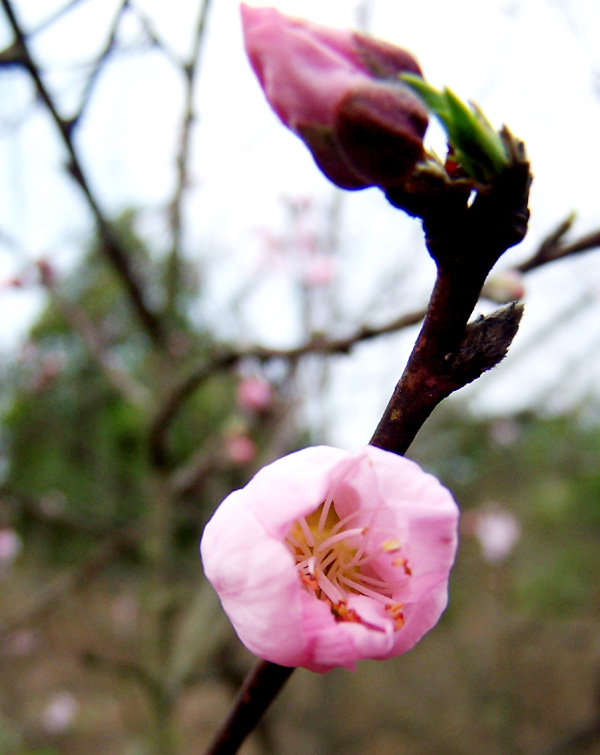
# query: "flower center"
{"type": "Point", "coordinates": [336, 558]}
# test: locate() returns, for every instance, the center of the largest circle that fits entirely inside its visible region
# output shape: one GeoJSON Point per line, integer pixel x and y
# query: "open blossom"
{"type": "Point", "coordinates": [339, 91]}
{"type": "Point", "coordinates": [328, 557]}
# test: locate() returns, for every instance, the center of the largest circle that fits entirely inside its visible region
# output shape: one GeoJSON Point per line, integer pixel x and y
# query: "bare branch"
{"type": "Point", "coordinates": [190, 71]}
{"type": "Point", "coordinates": [226, 360]}
{"type": "Point", "coordinates": [81, 324]}
{"type": "Point", "coordinates": [552, 247]}
{"type": "Point", "coordinates": [111, 244]}
{"type": "Point", "coordinates": [99, 64]}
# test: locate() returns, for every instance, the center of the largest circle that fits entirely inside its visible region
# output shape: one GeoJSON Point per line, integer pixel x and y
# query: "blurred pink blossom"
{"type": "Point", "coordinates": [240, 448]}
{"type": "Point", "coordinates": [497, 531]}
{"type": "Point", "coordinates": [11, 546]}
{"type": "Point", "coordinates": [319, 270]}
{"type": "Point", "coordinates": [339, 91]}
{"type": "Point", "coordinates": [328, 557]}
{"type": "Point", "coordinates": [254, 394]}
{"type": "Point", "coordinates": [59, 714]}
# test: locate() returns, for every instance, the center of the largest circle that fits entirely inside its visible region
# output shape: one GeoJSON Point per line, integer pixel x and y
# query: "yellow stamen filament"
{"type": "Point", "coordinates": [331, 558]}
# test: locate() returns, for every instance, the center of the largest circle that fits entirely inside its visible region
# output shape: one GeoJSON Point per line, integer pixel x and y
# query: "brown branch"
{"type": "Point", "coordinates": [190, 71]}
{"type": "Point", "coordinates": [465, 241]}
{"type": "Point", "coordinates": [552, 247]}
{"type": "Point", "coordinates": [259, 689]}
{"type": "Point", "coordinates": [81, 324]}
{"type": "Point", "coordinates": [319, 345]}
{"type": "Point", "coordinates": [116, 254]}
{"type": "Point", "coordinates": [99, 64]}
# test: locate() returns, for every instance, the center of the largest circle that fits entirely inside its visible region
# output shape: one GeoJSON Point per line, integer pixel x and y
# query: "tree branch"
{"type": "Point", "coordinates": [116, 254]}
{"type": "Point", "coordinates": [81, 324]}
{"type": "Point", "coordinates": [552, 247]}
{"type": "Point", "coordinates": [228, 359]}
{"type": "Point", "coordinates": [190, 71]}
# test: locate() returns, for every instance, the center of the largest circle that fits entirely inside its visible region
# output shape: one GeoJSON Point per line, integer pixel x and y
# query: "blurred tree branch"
{"type": "Point", "coordinates": [112, 247]}
{"type": "Point", "coordinates": [229, 358]}
{"type": "Point", "coordinates": [79, 322]}
{"type": "Point", "coordinates": [553, 248]}
{"type": "Point", "coordinates": [70, 580]}
{"type": "Point", "coordinates": [190, 72]}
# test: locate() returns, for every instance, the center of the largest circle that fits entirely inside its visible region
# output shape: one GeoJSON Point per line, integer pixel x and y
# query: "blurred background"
{"type": "Point", "coordinates": [183, 298]}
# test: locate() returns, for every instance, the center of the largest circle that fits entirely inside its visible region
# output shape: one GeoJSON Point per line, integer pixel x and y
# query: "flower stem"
{"type": "Point", "coordinates": [256, 694]}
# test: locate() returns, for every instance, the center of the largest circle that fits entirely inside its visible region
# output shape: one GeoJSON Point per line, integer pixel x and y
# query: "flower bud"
{"type": "Point", "coordinates": [340, 92]}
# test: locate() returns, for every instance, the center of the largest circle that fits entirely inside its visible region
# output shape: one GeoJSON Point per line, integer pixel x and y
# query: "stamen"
{"type": "Point", "coordinates": [364, 590]}
{"type": "Point", "coordinates": [332, 592]}
{"type": "Point", "coordinates": [330, 556]}
{"type": "Point", "coordinates": [326, 544]}
{"type": "Point", "coordinates": [307, 531]}
{"type": "Point", "coordinates": [324, 514]}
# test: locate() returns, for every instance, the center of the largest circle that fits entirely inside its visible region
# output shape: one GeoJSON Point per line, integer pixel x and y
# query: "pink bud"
{"type": "Point", "coordinates": [254, 394]}
{"type": "Point", "coordinates": [339, 91]}
{"type": "Point", "coordinates": [328, 557]}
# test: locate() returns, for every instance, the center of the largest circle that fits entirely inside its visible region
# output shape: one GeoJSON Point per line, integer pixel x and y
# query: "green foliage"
{"type": "Point", "coordinates": [72, 440]}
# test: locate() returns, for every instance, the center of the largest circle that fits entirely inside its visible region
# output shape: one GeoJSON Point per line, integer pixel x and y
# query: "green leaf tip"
{"type": "Point", "coordinates": [478, 149]}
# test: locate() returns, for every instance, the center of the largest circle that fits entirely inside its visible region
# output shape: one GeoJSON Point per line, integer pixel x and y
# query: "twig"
{"type": "Point", "coordinates": [259, 689]}
{"type": "Point", "coordinates": [552, 249]}
{"type": "Point", "coordinates": [190, 71]}
{"type": "Point", "coordinates": [465, 241]}
{"type": "Point", "coordinates": [100, 61]}
{"type": "Point", "coordinates": [112, 247]}
{"type": "Point", "coordinates": [80, 323]}
{"type": "Point", "coordinates": [228, 359]}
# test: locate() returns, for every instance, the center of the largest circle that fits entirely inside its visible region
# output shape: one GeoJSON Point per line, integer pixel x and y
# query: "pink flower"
{"type": "Point", "coordinates": [339, 91]}
{"type": "Point", "coordinates": [328, 557]}
{"type": "Point", "coordinates": [254, 394]}
{"type": "Point", "coordinates": [240, 448]}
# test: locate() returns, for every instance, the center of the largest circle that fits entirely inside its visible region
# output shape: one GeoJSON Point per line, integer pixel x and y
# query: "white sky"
{"type": "Point", "coordinates": [533, 64]}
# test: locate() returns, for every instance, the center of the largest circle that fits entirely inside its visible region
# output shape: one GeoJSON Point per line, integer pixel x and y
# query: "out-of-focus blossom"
{"type": "Point", "coordinates": [497, 531]}
{"type": "Point", "coordinates": [319, 270]}
{"type": "Point", "coordinates": [254, 394]}
{"type": "Point", "coordinates": [328, 557]}
{"type": "Point", "coordinates": [504, 431]}
{"type": "Point", "coordinates": [339, 91]}
{"type": "Point", "coordinates": [21, 643]}
{"type": "Point", "coordinates": [240, 448]}
{"type": "Point", "coordinates": [504, 287]}
{"type": "Point", "coordinates": [59, 714]}
{"type": "Point", "coordinates": [11, 546]}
